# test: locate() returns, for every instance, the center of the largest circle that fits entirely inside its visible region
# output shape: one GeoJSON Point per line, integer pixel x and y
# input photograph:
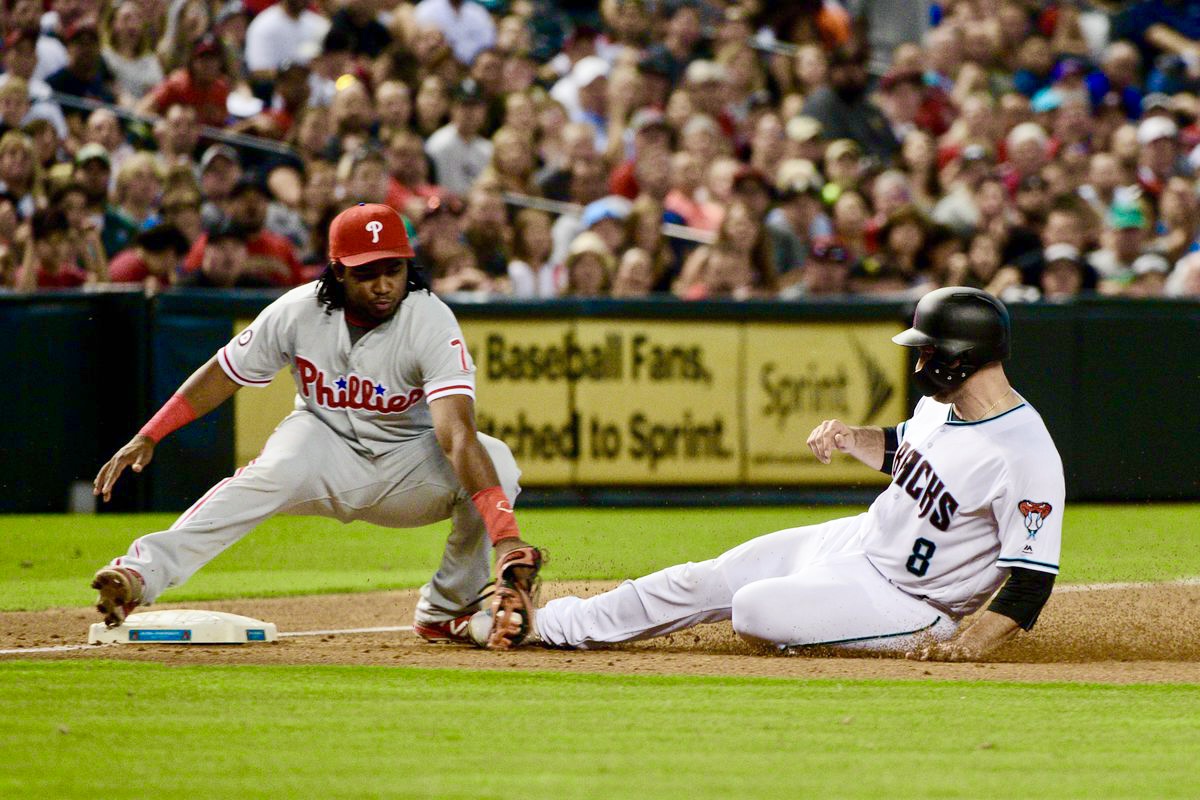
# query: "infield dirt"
{"type": "Point", "coordinates": [1130, 634]}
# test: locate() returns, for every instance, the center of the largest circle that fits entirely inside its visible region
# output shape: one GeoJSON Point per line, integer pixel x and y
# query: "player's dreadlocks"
{"type": "Point", "coordinates": [332, 294]}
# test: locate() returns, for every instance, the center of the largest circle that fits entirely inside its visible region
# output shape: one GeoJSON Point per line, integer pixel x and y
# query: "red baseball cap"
{"type": "Point", "coordinates": [368, 232]}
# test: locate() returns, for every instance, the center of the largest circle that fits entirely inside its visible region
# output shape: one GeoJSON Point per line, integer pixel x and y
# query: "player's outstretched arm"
{"type": "Point", "coordinates": [864, 443]}
{"type": "Point", "coordinates": [986, 633]}
{"type": "Point", "coordinates": [203, 391]}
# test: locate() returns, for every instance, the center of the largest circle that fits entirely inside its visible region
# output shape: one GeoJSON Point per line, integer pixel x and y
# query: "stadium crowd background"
{"type": "Point", "coordinates": [537, 149]}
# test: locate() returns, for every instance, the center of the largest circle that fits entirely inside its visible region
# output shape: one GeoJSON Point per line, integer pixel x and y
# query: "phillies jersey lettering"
{"type": "Point", "coordinates": [373, 392]}
{"type": "Point", "coordinates": [922, 484]}
{"type": "Point", "coordinates": [967, 502]}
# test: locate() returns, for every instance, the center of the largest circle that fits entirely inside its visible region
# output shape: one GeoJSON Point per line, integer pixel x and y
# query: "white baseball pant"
{"type": "Point", "coordinates": [307, 469]}
{"type": "Point", "coordinates": [796, 587]}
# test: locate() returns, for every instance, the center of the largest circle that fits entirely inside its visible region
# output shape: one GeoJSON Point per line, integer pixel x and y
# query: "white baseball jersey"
{"type": "Point", "coordinates": [373, 393]}
{"type": "Point", "coordinates": [968, 501]}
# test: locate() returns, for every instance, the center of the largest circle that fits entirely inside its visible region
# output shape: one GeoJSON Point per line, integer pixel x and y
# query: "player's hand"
{"type": "Point", "coordinates": [504, 546]}
{"type": "Point", "coordinates": [830, 435]}
{"type": "Point", "coordinates": [136, 454]}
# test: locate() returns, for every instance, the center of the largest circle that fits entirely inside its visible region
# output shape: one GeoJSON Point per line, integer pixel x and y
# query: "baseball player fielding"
{"type": "Point", "coordinates": [383, 431]}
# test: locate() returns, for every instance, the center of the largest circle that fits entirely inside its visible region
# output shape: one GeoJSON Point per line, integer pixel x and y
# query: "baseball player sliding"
{"type": "Point", "coordinates": [383, 431]}
{"type": "Point", "coordinates": [975, 503]}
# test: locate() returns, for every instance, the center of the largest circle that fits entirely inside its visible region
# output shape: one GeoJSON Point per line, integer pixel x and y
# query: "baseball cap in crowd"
{"type": "Point", "coordinates": [249, 182]}
{"type": "Point", "coordinates": [895, 77]}
{"type": "Point", "coordinates": [656, 61]}
{"type": "Point", "coordinates": [1151, 262]}
{"type": "Point", "coordinates": [976, 152]}
{"type": "Point", "coordinates": [612, 207]}
{"type": "Point", "coordinates": [702, 71]}
{"type": "Point", "coordinates": [843, 147]}
{"type": "Point", "coordinates": [225, 230]}
{"type": "Point", "coordinates": [588, 70]}
{"type": "Point", "coordinates": [1070, 67]}
{"type": "Point", "coordinates": [1155, 128]}
{"type": "Point", "coordinates": [469, 91]}
{"type": "Point", "coordinates": [829, 248]}
{"type": "Point", "coordinates": [1061, 252]}
{"type": "Point", "coordinates": [368, 232]}
{"type": "Point", "coordinates": [84, 26]}
{"type": "Point", "coordinates": [92, 152]}
{"type": "Point", "coordinates": [1156, 101]}
{"type": "Point", "coordinates": [796, 177]}
{"type": "Point", "coordinates": [1123, 216]}
{"type": "Point", "coordinates": [648, 118]}
{"type": "Point", "coordinates": [1048, 99]}
{"type": "Point", "coordinates": [218, 151]}
{"type": "Point", "coordinates": [803, 129]}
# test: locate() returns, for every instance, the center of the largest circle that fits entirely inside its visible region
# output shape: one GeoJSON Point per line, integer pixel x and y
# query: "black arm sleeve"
{"type": "Point", "coordinates": [1023, 595]}
{"type": "Point", "coordinates": [890, 443]}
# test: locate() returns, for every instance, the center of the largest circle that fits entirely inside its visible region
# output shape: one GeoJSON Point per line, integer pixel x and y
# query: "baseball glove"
{"type": "Point", "coordinates": [513, 597]}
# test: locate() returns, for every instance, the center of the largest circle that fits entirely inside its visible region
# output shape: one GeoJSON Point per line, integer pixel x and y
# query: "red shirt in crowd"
{"type": "Point", "coordinates": [67, 276]}
{"type": "Point", "coordinates": [263, 243]}
{"type": "Point", "coordinates": [127, 267]}
{"type": "Point", "coordinates": [179, 88]}
{"type": "Point", "coordinates": [399, 195]}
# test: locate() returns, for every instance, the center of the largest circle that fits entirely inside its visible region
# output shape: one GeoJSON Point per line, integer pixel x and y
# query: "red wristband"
{"type": "Point", "coordinates": [174, 414]}
{"type": "Point", "coordinates": [497, 514]}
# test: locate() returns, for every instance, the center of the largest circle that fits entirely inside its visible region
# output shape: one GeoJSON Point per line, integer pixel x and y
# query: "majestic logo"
{"type": "Point", "coordinates": [1035, 514]}
{"type": "Point", "coordinates": [373, 228]}
{"type": "Point", "coordinates": [351, 391]}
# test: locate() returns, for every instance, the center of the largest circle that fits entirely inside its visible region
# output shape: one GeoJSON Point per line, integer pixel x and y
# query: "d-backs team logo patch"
{"type": "Point", "coordinates": [1035, 514]}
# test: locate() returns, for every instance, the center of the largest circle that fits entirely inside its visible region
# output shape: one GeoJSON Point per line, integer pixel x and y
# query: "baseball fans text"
{"type": "Point", "coordinates": [569, 360]}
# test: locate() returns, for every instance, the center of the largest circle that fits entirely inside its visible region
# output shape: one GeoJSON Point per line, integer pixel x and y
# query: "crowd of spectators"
{"type": "Point", "coordinates": [702, 148]}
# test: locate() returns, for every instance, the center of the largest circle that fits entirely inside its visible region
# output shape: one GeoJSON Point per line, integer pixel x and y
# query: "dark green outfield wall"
{"type": "Point", "coordinates": [1118, 383]}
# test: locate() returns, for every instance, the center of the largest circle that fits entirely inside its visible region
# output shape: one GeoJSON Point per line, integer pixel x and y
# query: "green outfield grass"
{"type": "Point", "coordinates": [46, 561]}
{"type": "Point", "coordinates": [133, 730]}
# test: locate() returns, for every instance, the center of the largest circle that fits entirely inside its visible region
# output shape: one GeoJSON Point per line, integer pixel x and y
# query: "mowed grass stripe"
{"type": "Point", "coordinates": [74, 727]}
{"type": "Point", "coordinates": [47, 561]}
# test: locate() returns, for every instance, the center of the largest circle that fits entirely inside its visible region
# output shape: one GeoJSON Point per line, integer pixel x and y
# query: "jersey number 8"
{"type": "Point", "coordinates": [918, 562]}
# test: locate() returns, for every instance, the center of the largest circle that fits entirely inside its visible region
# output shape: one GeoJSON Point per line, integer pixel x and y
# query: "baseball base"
{"type": "Point", "coordinates": [184, 626]}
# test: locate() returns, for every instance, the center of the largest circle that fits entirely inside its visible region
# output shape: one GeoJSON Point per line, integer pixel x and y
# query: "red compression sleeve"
{"type": "Point", "coordinates": [497, 513]}
{"type": "Point", "coordinates": [174, 414]}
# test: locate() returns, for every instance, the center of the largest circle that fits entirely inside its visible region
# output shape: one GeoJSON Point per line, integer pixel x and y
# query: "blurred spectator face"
{"type": "Point", "coordinates": [679, 109]}
{"type": "Point", "coordinates": [917, 151]}
{"type": "Point", "coordinates": [588, 181]}
{"type": "Point", "coordinates": [83, 52]}
{"type": "Point", "coordinates": [92, 176]}
{"type": "Point", "coordinates": [45, 141]}
{"type": "Point", "coordinates": [1104, 174]}
{"type": "Point", "coordinates": [1124, 144]}
{"type": "Point", "coordinates": [519, 113]}
{"type": "Point", "coordinates": [754, 194]}
{"type": "Point", "coordinates": [1150, 284]}
{"type": "Point", "coordinates": [313, 133]}
{"type": "Point", "coordinates": [908, 58]}
{"type": "Point", "coordinates": [205, 68]}
{"type": "Point", "coordinates": [249, 210]}
{"type": "Point", "coordinates": [104, 129]}
{"type": "Point", "coordinates": [845, 169]}
{"type": "Point", "coordinates": [906, 239]}
{"type": "Point", "coordinates": [534, 236]}
{"type": "Point", "coordinates": [612, 231]}
{"type": "Point", "coordinates": [1014, 109]}
{"type": "Point", "coordinates": [588, 276]}
{"type": "Point", "coordinates": [1073, 122]}
{"type": "Point", "coordinates": [890, 192]}
{"type": "Point", "coordinates": [1014, 23]}
{"type": "Point", "coordinates": [683, 28]}
{"type": "Point", "coordinates": [8, 220]}
{"type": "Point", "coordinates": [979, 116]}
{"type": "Point", "coordinates": [719, 180]}
{"type": "Point", "coordinates": [14, 104]}
{"type": "Point", "coordinates": [26, 15]}
{"type": "Point", "coordinates": [518, 73]}
{"type": "Point", "coordinates": [216, 182]}
{"type": "Point", "coordinates": [351, 109]}
{"type": "Point", "coordinates": [223, 261]}
{"type": "Point", "coordinates": [320, 186]}
{"type": "Point", "coordinates": [468, 117]}
{"type": "Point", "coordinates": [1126, 242]}
{"type": "Point", "coordinates": [726, 272]}
{"type": "Point", "coordinates": [625, 89]}
{"type": "Point", "coordinates": [635, 274]}
{"type": "Point", "coordinates": [1028, 156]}
{"type": "Point", "coordinates": [21, 59]}
{"type": "Point", "coordinates": [653, 173]}
{"type": "Point", "coordinates": [1061, 279]}
{"type": "Point", "coordinates": [849, 77]}
{"type": "Point", "coordinates": [825, 276]}
{"type": "Point", "coordinates": [686, 174]}
{"type": "Point", "coordinates": [991, 199]}
{"type": "Point", "coordinates": [1035, 55]}
{"type": "Point", "coordinates": [850, 215]}
{"type": "Point", "coordinates": [984, 256]}
{"type": "Point", "coordinates": [55, 249]}
{"type": "Point", "coordinates": [1063, 227]}
{"type": "Point", "coordinates": [700, 138]}
{"type": "Point", "coordinates": [141, 185]}
{"type": "Point", "coordinates": [512, 34]}
{"type": "Point", "coordinates": [943, 45]}
{"type": "Point", "coordinates": [182, 209]}
{"type": "Point", "coordinates": [394, 104]}
{"type": "Point", "coordinates": [1179, 205]}
{"type": "Point", "coordinates": [488, 70]}
{"type": "Point", "coordinates": [1033, 199]}
{"type": "Point", "coordinates": [406, 160]}
{"type": "Point", "coordinates": [903, 102]}
{"type": "Point", "coordinates": [768, 142]}
{"type": "Point", "coordinates": [73, 204]}
{"type": "Point", "coordinates": [512, 154]}
{"type": "Point", "coordinates": [1121, 64]}
{"type": "Point", "coordinates": [368, 181]}
{"type": "Point", "coordinates": [740, 227]}
{"type": "Point", "coordinates": [179, 130]}
{"type": "Point", "coordinates": [485, 212]}
{"type": "Point", "coordinates": [811, 66]}
{"type": "Point", "coordinates": [1159, 155]}
{"type": "Point", "coordinates": [71, 10]}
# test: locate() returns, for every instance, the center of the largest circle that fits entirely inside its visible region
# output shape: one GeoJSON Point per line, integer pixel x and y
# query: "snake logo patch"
{"type": "Point", "coordinates": [1035, 514]}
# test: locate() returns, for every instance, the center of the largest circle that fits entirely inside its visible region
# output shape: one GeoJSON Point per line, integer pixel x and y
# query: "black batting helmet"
{"type": "Point", "coordinates": [967, 328]}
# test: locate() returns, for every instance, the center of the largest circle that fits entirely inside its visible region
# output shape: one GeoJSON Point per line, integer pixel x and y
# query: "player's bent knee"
{"type": "Point", "coordinates": [754, 617]}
